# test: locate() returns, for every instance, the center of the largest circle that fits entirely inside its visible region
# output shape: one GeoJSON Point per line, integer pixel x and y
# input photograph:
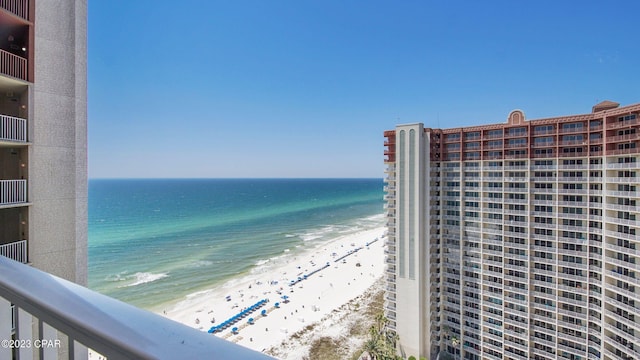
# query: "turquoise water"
{"type": "Point", "coordinates": [154, 241]}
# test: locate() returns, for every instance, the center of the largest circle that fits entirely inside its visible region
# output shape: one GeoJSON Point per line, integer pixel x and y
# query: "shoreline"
{"type": "Point", "coordinates": [338, 271]}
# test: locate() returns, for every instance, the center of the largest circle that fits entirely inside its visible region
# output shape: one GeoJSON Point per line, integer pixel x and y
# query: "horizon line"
{"type": "Point", "coordinates": [235, 178]}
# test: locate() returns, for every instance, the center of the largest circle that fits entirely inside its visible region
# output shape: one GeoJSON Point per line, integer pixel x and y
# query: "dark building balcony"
{"type": "Point", "coordinates": [16, 251]}
{"type": "Point", "coordinates": [13, 128]}
{"type": "Point", "coordinates": [13, 192]}
{"type": "Point", "coordinates": [13, 65]}
{"type": "Point", "coordinates": [18, 8]}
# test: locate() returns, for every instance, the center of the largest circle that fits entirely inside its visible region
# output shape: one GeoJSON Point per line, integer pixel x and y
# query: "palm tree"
{"type": "Point", "coordinates": [454, 341]}
{"type": "Point", "coordinates": [375, 348]}
{"type": "Point", "coordinates": [381, 322]}
{"type": "Point", "coordinates": [382, 343]}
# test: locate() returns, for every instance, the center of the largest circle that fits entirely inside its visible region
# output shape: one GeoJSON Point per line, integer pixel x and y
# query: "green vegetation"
{"type": "Point", "coordinates": [339, 349]}
{"type": "Point", "coordinates": [325, 348]}
{"type": "Point", "coordinates": [382, 342]}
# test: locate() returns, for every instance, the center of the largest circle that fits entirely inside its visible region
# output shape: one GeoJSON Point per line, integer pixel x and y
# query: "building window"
{"type": "Point", "coordinates": [453, 156]}
{"type": "Point", "coordinates": [494, 133]}
{"type": "Point", "coordinates": [472, 135]}
{"type": "Point", "coordinates": [521, 131]}
{"type": "Point", "coordinates": [543, 129]}
{"type": "Point", "coordinates": [630, 145]}
{"type": "Point", "coordinates": [452, 137]}
{"type": "Point", "coordinates": [572, 126]}
{"type": "Point", "coordinates": [541, 141]}
{"type": "Point", "coordinates": [520, 142]}
{"type": "Point", "coordinates": [627, 117]}
{"type": "Point", "coordinates": [626, 160]}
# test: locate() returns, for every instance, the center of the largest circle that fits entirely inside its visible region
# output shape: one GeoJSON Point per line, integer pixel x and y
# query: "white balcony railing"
{"type": "Point", "coordinates": [13, 128]}
{"type": "Point", "coordinates": [13, 65]}
{"type": "Point", "coordinates": [91, 320]}
{"type": "Point", "coordinates": [13, 192]}
{"type": "Point", "coordinates": [17, 7]}
{"type": "Point", "coordinates": [15, 250]}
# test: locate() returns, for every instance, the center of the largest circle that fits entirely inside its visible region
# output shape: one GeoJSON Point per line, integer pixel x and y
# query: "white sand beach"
{"type": "Point", "coordinates": [327, 289]}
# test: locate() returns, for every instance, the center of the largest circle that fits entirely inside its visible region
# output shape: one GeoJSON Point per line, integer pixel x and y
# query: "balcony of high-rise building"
{"type": "Point", "coordinates": [16, 40]}
{"type": "Point", "coordinates": [45, 317]}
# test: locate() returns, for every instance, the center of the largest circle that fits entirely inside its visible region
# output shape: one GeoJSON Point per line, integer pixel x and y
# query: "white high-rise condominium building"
{"type": "Point", "coordinates": [516, 240]}
{"type": "Point", "coordinates": [43, 135]}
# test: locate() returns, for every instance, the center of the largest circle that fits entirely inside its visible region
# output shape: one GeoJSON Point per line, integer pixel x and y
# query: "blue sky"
{"type": "Point", "coordinates": [306, 88]}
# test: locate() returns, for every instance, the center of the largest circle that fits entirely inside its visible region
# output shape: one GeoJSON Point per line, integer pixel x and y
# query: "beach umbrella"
{"type": "Point", "coordinates": [234, 330]}
{"type": "Point", "coordinates": [250, 321]}
{"type": "Point", "coordinates": [264, 312]}
{"type": "Point", "coordinates": [277, 305]}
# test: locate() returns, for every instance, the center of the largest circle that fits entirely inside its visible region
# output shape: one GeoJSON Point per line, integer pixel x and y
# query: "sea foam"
{"type": "Point", "coordinates": [145, 277]}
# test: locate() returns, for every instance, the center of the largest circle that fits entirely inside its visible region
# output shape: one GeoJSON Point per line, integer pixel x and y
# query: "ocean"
{"type": "Point", "coordinates": [152, 242]}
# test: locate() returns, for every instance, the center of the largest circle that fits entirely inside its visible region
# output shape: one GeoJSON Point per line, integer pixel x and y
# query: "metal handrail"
{"type": "Point", "coordinates": [106, 325]}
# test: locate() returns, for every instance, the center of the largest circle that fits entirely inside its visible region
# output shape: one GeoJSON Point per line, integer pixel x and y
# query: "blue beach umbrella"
{"type": "Point", "coordinates": [250, 321]}
{"type": "Point", "coordinates": [264, 312]}
{"type": "Point", "coordinates": [276, 305]}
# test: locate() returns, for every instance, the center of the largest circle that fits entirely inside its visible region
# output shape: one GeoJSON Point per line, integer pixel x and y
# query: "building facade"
{"type": "Point", "coordinates": [516, 240]}
{"type": "Point", "coordinates": [43, 135]}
